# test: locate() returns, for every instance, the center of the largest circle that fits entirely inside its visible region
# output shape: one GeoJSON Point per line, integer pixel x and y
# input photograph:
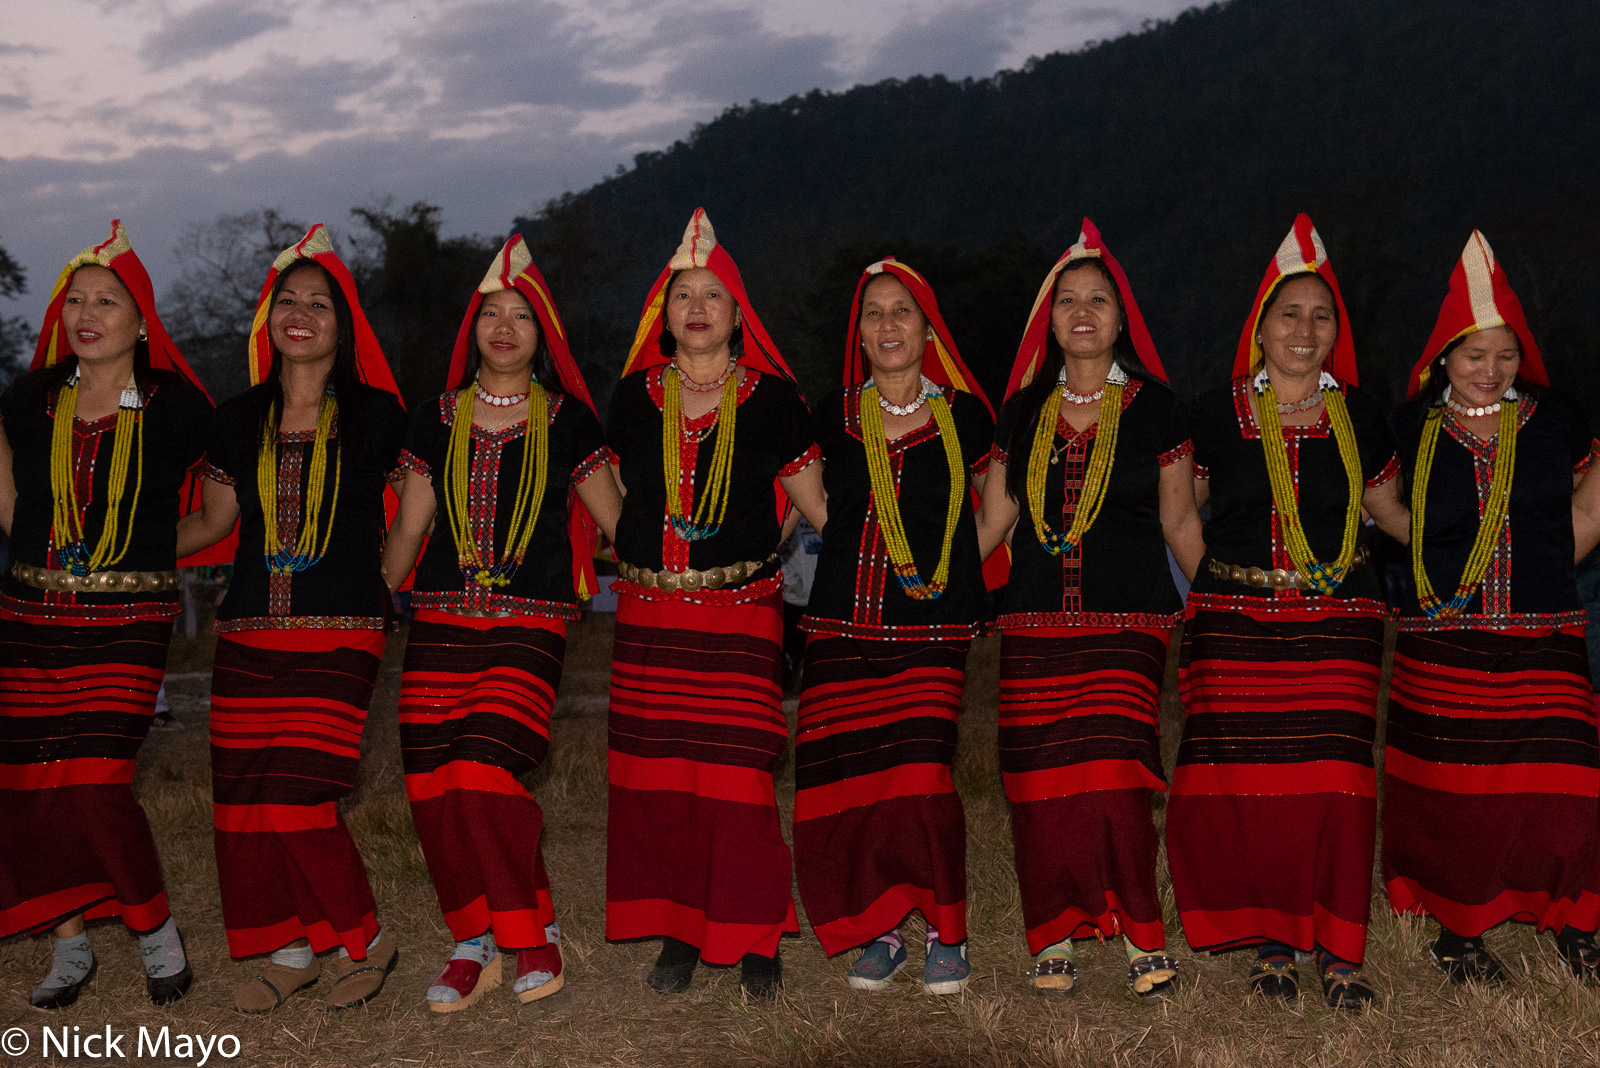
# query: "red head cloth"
{"type": "Point", "coordinates": [115, 254]}
{"type": "Point", "coordinates": [699, 248]}
{"type": "Point", "coordinates": [317, 245]}
{"type": "Point", "coordinates": [1302, 252]}
{"type": "Point", "coordinates": [1030, 354]}
{"type": "Point", "coordinates": [1480, 298]}
{"type": "Point", "coordinates": [946, 368]}
{"type": "Point", "coordinates": [513, 268]}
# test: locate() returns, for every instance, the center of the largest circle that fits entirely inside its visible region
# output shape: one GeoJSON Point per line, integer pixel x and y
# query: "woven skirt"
{"type": "Point", "coordinates": [1492, 779]}
{"type": "Point", "coordinates": [1272, 817]}
{"type": "Point", "coordinates": [878, 826]}
{"type": "Point", "coordinates": [1080, 756]}
{"type": "Point", "coordinates": [287, 712]}
{"type": "Point", "coordinates": [475, 700]}
{"type": "Point", "coordinates": [694, 849]}
{"type": "Point", "coordinates": [76, 701]}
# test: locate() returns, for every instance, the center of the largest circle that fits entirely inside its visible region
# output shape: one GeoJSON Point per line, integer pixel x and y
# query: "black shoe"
{"type": "Point", "coordinates": [1579, 953]}
{"type": "Point", "coordinates": [169, 989]}
{"type": "Point", "coordinates": [1343, 985]}
{"type": "Point", "coordinates": [1466, 960]}
{"type": "Point", "coordinates": [63, 997]}
{"type": "Point", "coordinates": [1275, 977]}
{"type": "Point", "coordinates": [674, 968]}
{"type": "Point", "coordinates": [761, 977]}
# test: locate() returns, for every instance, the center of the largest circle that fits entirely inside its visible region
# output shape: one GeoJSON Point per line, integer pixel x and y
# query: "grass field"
{"type": "Point", "coordinates": [607, 1016]}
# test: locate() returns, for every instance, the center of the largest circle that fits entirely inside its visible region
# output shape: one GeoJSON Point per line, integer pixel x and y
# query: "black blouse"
{"type": "Point", "coordinates": [177, 422]}
{"type": "Point", "coordinates": [1118, 574]}
{"type": "Point", "coordinates": [855, 592]}
{"type": "Point", "coordinates": [772, 439]}
{"type": "Point", "coordinates": [345, 588]}
{"type": "Point", "coordinates": [1243, 528]}
{"type": "Point", "coordinates": [1531, 574]}
{"type": "Point", "coordinates": [542, 585]}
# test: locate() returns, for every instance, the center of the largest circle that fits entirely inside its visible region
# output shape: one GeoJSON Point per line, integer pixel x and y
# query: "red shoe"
{"type": "Point", "coordinates": [539, 971]}
{"type": "Point", "coordinates": [462, 983]}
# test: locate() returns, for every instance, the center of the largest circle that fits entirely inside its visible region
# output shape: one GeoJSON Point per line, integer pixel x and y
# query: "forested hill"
{"type": "Point", "coordinates": [1398, 126]}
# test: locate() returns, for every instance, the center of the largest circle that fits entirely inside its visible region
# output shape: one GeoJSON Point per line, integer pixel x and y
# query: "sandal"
{"type": "Point", "coordinates": [1275, 978]}
{"type": "Point", "coordinates": [1153, 976]}
{"type": "Point", "coordinates": [1466, 960]}
{"type": "Point", "coordinates": [274, 985]}
{"type": "Point", "coordinates": [356, 982]}
{"type": "Point", "coordinates": [467, 980]}
{"type": "Point", "coordinates": [1053, 974]}
{"type": "Point", "coordinates": [1344, 987]}
{"type": "Point", "coordinates": [1579, 953]}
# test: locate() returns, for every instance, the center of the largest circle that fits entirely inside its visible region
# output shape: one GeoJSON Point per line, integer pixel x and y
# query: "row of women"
{"type": "Point", "coordinates": [1091, 473]}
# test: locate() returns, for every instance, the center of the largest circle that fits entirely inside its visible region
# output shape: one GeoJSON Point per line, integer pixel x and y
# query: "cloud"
{"type": "Point", "coordinates": [8, 49]}
{"type": "Point", "coordinates": [505, 52]}
{"type": "Point", "coordinates": [300, 98]}
{"type": "Point", "coordinates": [13, 101]}
{"type": "Point", "coordinates": [209, 28]}
{"type": "Point", "coordinates": [956, 40]}
{"type": "Point", "coordinates": [730, 56]}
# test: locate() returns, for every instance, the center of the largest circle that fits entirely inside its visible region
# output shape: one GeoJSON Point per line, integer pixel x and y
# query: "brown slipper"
{"type": "Point", "coordinates": [272, 986]}
{"type": "Point", "coordinates": [356, 982]}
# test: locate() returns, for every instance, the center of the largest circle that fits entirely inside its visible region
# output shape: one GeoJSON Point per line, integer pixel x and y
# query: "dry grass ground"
{"type": "Point", "coordinates": [608, 1016]}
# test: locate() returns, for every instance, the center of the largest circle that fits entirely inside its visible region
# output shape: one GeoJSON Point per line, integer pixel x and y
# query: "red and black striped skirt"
{"type": "Point", "coordinates": [1273, 811]}
{"type": "Point", "coordinates": [694, 849]}
{"type": "Point", "coordinates": [878, 826]}
{"type": "Point", "coordinates": [287, 712]}
{"type": "Point", "coordinates": [76, 701]}
{"type": "Point", "coordinates": [1080, 755]}
{"type": "Point", "coordinates": [1492, 779]}
{"type": "Point", "coordinates": [475, 700]}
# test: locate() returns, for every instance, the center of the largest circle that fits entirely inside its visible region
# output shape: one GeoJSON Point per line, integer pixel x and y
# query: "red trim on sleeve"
{"type": "Point", "coordinates": [801, 462]}
{"type": "Point", "coordinates": [215, 473]}
{"type": "Point", "coordinates": [998, 455]}
{"type": "Point", "coordinates": [1390, 470]}
{"type": "Point", "coordinates": [981, 464]}
{"type": "Point", "coordinates": [1587, 462]}
{"type": "Point", "coordinates": [1173, 455]}
{"type": "Point", "coordinates": [410, 461]}
{"type": "Point", "coordinates": [1202, 471]}
{"type": "Point", "coordinates": [594, 462]}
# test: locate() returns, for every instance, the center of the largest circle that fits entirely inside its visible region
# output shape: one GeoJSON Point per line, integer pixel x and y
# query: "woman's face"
{"type": "Point", "coordinates": [894, 332]}
{"type": "Point", "coordinates": [1086, 318]}
{"type": "Point", "coordinates": [100, 317]}
{"type": "Point", "coordinates": [1298, 331]}
{"type": "Point", "coordinates": [1483, 366]}
{"type": "Point", "coordinates": [701, 313]}
{"type": "Point", "coordinates": [507, 333]}
{"type": "Point", "coordinates": [302, 325]}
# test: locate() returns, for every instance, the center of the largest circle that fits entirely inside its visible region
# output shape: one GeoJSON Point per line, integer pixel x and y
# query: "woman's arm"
{"type": "Point", "coordinates": [1386, 507]}
{"type": "Point", "coordinates": [805, 490]}
{"type": "Point", "coordinates": [219, 511]}
{"type": "Point", "coordinates": [8, 485]}
{"type": "Point", "coordinates": [1180, 515]}
{"type": "Point", "coordinates": [1586, 513]}
{"type": "Point", "coordinates": [410, 526]}
{"type": "Point", "coordinates": [997, 514]}
{"type": "Point", "coordinates": [603, 497]}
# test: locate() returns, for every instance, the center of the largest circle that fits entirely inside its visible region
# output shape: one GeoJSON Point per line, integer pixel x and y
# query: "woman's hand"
{"type": "Point", "coordinates": [219, 511]}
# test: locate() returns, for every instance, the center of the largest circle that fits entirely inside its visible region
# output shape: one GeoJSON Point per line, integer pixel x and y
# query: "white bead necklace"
{"type": "Point", "coordinates": [1487, 409]}
{"type": "Point", "coordinates": [496, 399]}
{"type": "Point", "coordinates": [1115, 377]}
{"type": "Point", "coordinates": [1324, 381]}
{"type": "Point", "coordinates": [928, 390]}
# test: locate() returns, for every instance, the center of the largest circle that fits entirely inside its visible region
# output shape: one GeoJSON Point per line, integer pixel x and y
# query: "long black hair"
{"type": "Point", "coordinates": [544, 364]}
{"type": "Point", "coordinates": [1030, 400]}
{"type": "Point", "coordinates": [344, 379]}
{"type": "Point", "coordinates": [669, 344]}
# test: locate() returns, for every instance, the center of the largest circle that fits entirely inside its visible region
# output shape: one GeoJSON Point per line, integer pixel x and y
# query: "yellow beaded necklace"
{"type": "Point", "coordinates": [1095, 479]}
{"type": "Point", "coordinates": [66, 532]}
{"type": "Point", "coordinates": [1324, 577]}
{"type": "Point", "coordinates": [281, 561]}
{"type": "Point", "coordinates": [713, 506]}
{"type": "Point", "coordinates": [530, 490]}
{"type": "Point", "coordinates": [1489, 524]}
{"type": "Point", "coordinates": [886, 498]}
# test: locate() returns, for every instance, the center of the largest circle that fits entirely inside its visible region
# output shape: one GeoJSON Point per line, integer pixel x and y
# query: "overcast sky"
{"type": "Point", "coordinates": [167, 112]}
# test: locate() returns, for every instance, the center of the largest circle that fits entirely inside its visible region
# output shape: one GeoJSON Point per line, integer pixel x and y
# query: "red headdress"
{"type": "Point", "coordinates": [1480, 298]}
{"type": "Point", "coordinates": [1302, 252]}
{"type": "Point", "coordinates": [946, 368]}
{"type": "Point", "coordinates": [317, 246]}
{"type": "Point", "coordinates": [699, 248]}
{"type": "Point", "coordinates": [1030, 354]}
{"type": "Point", "coordinates": [513, 268]}
{"type": "Point", "coordinates": [115, 254]}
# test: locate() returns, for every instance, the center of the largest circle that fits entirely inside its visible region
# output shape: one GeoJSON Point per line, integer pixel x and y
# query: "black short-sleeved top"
{"type": "Point", "coordinates": [1118, 574]}
{"type": "Point", "coordinates": [855, 591]}
{"type": "Point", "coordinates": [177, 423]}
{"type": "Point", "coordinates": [772, 438]}
{"type": "Point", "coordinates": [1243, 528]}
{"type": "Point", "coordinates": [345, 588]}
{"type": "Point", "coordinates": [542, 585]}
{"type": "Point", "coordinates": [1531, 579]}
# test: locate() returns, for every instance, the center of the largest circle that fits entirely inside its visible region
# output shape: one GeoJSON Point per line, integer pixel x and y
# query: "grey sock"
{"type": "Point", "coordinates": [162, 950]}
{"type": "Point", "coordinates": [72, 960]}
{"type": "Point", "coordinates": [294, 957]}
